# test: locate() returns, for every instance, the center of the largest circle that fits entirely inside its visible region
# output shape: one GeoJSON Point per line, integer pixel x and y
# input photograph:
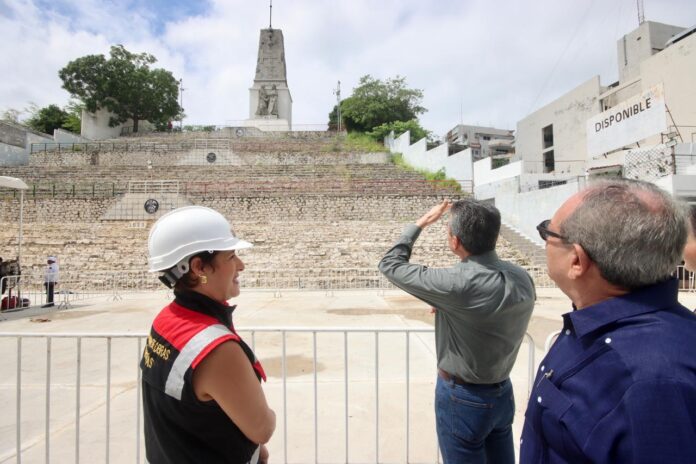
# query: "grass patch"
{"type": "Point", "coordinates": [439, 176]}
{"type": "Point", "coordinates": [354, 142]}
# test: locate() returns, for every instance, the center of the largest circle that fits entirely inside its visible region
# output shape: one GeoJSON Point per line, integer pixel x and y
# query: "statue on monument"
{"type": "Point", "coordinates": [268, 101]}
{"type": "Point", "coordinates": [262, 107]}
{"type": "Point", "coordinates": [273, 101]}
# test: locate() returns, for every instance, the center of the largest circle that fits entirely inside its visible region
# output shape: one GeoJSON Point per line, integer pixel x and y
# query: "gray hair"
{"type": "Point", "coordinates": [633, 231]}
{"type": "Point", "coordinates": [476, 224]}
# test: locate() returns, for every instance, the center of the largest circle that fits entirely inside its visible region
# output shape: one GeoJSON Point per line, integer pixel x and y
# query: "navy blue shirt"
{"type": "Point", "coordinates": [619, 384]}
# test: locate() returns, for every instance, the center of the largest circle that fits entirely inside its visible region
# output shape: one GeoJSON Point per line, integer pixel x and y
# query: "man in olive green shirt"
{"type": "Point", "coordinates": [482, 308]}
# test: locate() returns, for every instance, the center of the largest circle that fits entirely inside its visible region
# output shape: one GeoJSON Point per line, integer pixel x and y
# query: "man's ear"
{"type": "Point", "coordinates": [454, 241]}
{"type": "Point", "coordinates": [580, 262]}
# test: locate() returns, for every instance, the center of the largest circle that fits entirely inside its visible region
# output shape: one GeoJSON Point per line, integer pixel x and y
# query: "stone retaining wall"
{"type": "Point", "coordinates": [55, 210]}
{"type": "Point", "coordinates": [279, 244]}
{"type": "Point", "coordinates": [244, 208]}
{"type": "Point", "coordinates": [195, 156]}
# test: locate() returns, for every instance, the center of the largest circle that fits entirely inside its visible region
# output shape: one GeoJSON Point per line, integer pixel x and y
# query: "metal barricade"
{"type": "Point", "coordinates": [358, 386]}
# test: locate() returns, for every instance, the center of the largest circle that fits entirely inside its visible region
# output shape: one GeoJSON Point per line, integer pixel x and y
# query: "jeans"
{"type": "Point", "coordinates": [474, 422]}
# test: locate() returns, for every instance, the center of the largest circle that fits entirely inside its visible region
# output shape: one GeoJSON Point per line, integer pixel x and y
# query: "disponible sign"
{"type": "Point", "coordinates": [627, 123]}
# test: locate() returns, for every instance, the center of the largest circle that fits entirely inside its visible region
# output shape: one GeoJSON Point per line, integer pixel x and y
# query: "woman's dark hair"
{"type": "Point", "coordinates": [190, 280]}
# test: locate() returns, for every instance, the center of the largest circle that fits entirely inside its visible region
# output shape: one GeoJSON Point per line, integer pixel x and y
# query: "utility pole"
{"type": "Point", "coordinates": [181, 105]}
{"type": "Point", "coordinates": [337, 92]}
{"type": "Point", "coordinates": [641, 12]}
{"type": "Point", "coordinates": [270, 15]}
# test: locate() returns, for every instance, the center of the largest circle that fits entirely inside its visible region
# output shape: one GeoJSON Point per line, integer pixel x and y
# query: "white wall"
{"type": "Point", "coordinates": [459, 166]}
{"type": "Point", "coordinates": [488, 181]}
{"type": "Point", "coordinates": [682, 186]}
{"type": "Point", "coordinates": [525, 210]}
{"type": "Point", "coordinates": [640, 44]}
{"type": "Point", "coordinates": [36, 138]}
{"type": "Point", "coordinates": [484, 173]}
{"type": "Point", "coordinates": [568, 115]}
{"type": "Point", "coordinates": [95, 126]}
{"type": "Point", "coordinates": [11, 155]}
{"type": "Point", "coordinates": [63, 136]}
{"type": "Point", "coordinates": [675, 68]}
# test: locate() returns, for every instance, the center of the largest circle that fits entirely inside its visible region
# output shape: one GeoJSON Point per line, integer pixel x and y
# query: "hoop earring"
{"type": "Point", "coordinates": [204, 279]}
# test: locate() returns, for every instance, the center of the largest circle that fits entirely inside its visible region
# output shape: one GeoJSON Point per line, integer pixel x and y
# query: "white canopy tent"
{"type": "Point", "coordinates": [14, 183]}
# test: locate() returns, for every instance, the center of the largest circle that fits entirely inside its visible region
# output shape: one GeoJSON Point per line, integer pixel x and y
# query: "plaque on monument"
{"type": "Point", "coordinates": [151, 206]}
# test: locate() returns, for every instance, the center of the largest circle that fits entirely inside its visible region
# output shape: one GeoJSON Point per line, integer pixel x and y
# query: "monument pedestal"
{"type": "Point", "coordinates": [267, 124]}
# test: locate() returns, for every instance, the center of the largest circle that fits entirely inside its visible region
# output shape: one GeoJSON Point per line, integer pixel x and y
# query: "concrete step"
{"type": "Point", "coordinates": [534, 252]}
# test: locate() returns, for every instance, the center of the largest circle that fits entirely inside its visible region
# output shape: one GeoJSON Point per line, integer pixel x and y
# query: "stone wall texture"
{"type": "Point", "coordinates": [303, 208]}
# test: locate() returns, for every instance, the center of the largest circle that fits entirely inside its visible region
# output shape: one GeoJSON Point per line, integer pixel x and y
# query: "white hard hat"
{"type": "Point", "coordinates": [187, 231]}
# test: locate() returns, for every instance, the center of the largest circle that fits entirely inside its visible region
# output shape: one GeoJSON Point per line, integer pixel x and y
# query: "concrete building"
{"type": "Point", "coordinates": [641, 127]}
{"type": "Point", "coordinates": [554, 139]}
{"type": "Point", "coordinates": [484, 141]}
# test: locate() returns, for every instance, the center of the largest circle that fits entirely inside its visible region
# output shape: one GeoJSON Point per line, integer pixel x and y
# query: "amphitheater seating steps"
{"type": "Point", "coordinates": [300, 199]}
{"type": "Point", "coordinates": [279, 244]}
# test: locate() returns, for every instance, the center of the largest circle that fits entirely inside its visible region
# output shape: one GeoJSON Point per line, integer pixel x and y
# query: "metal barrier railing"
{"type": "Point", "coordinates": [28, 290]}
{"type": "Point", "coordinates": [82, 285]}
{"type": "Point", "coordinates": [687, 279]}
{"type": "Point", "coordinates": [129, 147]}
{"type": "Point", "coordinates": [73, 367]}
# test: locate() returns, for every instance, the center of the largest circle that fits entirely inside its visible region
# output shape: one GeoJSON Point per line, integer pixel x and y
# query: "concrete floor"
{"type": "Point", "coordinates": [295, 435]}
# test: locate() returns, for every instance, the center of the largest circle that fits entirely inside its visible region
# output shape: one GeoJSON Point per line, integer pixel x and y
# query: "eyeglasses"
{"type": "Point", "coordinates": [545, 233]}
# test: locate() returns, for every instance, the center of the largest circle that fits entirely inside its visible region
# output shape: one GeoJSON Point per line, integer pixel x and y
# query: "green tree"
{"type": "Point", "coordinates": [47, 119]}
{"type": "Point", "coordinates": [399, 127]}
{"type": "Point", "coordinates": [125, 85]}
{"type": "Point", "coordinates": [375, 102]}
{"type": "Point", "coordinates": [73, 122]}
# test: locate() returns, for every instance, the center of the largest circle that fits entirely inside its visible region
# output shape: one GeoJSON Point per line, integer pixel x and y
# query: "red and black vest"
{"type": "Point", "coordinates": [179, 428]}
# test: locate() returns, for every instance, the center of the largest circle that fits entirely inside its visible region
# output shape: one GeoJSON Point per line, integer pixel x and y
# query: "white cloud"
{"type": "Point", "coordinates": [488, 60]}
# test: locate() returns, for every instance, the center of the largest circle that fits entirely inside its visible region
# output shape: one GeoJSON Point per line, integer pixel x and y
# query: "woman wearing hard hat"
{"type": "Point", "coordinates": [202, 395]}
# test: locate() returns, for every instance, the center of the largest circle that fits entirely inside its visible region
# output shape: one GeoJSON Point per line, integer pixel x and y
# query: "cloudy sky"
{"type": "Point", "coordinates": [485, 62]}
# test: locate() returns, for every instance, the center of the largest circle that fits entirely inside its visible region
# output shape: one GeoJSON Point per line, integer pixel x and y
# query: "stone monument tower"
{"type": "Point", "coordinates": [270, 103]}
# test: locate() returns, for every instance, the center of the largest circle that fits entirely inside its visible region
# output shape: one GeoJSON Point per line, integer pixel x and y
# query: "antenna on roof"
{"type": "Point", "coordinates": [270, 15]}
{"type": "Point", "coordinates": [641, 12]}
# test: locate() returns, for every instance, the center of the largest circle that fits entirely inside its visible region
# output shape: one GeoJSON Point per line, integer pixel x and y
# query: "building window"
{"type": "Point", "coordinates": [547, 136]}
{"type": "Point", "coordinates": [549, 162]}
{"type": "Point", "coordinates": [476, 152]}
{"type": "Point", "coordinates": [486, 137]}
{"type": "Point", "coordinates": [543, 184]}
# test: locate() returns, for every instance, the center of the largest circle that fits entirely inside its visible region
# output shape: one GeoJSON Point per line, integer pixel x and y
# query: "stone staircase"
{"type": "Point", "coordinates": [304, 208]}
{"type": "Point", "coordinates": [278, 244]}
{"type": "Point", "coordinates": [534, 253]}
